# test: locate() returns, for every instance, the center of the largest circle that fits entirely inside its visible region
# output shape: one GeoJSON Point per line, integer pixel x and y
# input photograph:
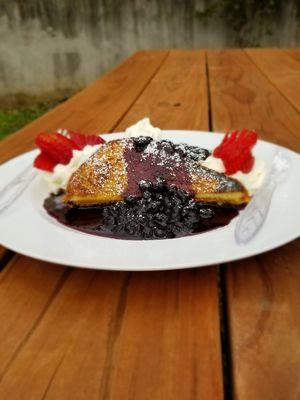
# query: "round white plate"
{"type": "Point", "coordinates": [27, 229]}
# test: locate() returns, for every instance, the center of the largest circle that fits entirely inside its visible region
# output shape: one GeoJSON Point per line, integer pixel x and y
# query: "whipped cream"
{"type": "Point", "coordinates": [252, 180]}
{"type": "Point", "coordinates": [143, 128]}
{"type": "Point", "coordinates": [59, 177]}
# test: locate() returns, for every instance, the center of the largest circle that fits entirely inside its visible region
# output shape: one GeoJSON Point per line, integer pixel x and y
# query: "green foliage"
{"type": "Point", "coordinates": [12, 120]}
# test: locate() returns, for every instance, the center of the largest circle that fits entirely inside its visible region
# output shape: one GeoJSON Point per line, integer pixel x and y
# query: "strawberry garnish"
{"type": "Point", "coordinates": [44, 162]}
{"type": "Point", "coordinates": [58, 149]}
{"type": "Point", "coordinates": [56, 146]}
{"type": "Point", "coordinates": [235, 151]}
{"type": "Point", "coordinates": [83, 140]}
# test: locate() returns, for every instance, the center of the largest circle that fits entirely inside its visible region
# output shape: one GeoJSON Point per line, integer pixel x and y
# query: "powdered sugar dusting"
{"type": "Point", "coordinates": [212, 181]}
{"type": "Point", "coordinates": [160, 153]}
{"type": "Point", "coordinates": [102, 174]}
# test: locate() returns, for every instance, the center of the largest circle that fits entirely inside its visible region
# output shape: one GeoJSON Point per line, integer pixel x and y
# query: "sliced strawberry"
{"type": "Point", "coordinates": [235, 151]}
{"type": "Point", "coordinates": [44, 162]}
{"type": "Point", "coordinates": [82, 140]}
{"type": "Point", "coordinates": [94, 139]}
{"type": "Point", "coordinates": [248, 164]}
{"type": "Point", "coordinates": [56, 146]}
{"type": "Point", "coordinates": [58, 149]}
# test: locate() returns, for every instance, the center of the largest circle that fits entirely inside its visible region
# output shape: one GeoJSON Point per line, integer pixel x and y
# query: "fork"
{"type": "Point", "coordinates": [13, 189]}
{"type": "Point", "coordinates": [252, 219]}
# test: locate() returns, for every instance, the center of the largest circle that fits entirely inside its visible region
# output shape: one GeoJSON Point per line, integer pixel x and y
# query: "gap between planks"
{"type": "Point", "coordinates": [5, 256]}
{"type": "Point", "coordinates": [267, 74]}
{"type": "Point", "coordinates": [223, 315]}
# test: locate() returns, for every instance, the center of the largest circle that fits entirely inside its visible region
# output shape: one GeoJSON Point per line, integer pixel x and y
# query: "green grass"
{"type": "Point", "coordinates": [12, 120]}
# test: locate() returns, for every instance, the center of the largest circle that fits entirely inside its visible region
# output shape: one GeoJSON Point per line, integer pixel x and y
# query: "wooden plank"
{"type": "Point", "coordinates": [84, 296]}
{"type": "Point", "coordinates": [294, 53]}
{"type": "Point", "coordinates": [128, 336]}
{"type": "Point", "coordinates": [262, 292]}
{"type": "Point", "coordinates": [264, 309]}
{"type": "Point", "coordinates": [281, 69]}
{"type": "Point", "coordinates": [241, 96]}
{"type": "Point", "coordinates": [171, 101]}
{"type": "Point", "coordinates": [93, 109]}
{"type": "Point", "coordinates": [27, 286]}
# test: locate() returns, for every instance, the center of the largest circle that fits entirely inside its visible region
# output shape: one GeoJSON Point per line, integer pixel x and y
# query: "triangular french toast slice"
{"type": "Point", "coordinates": [115, 171]}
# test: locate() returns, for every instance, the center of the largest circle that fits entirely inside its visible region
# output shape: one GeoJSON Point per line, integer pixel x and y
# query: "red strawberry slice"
{"type": "Point", "coordinates": [235, 151]}
{"type": "Point", "coordinates": [82, 140]}
{"type": "Point", "coordinates": [56, 146]}
{"type": "Point", "coordinates": [44, 162]}
{"type": "Point", "coordinates": [58, 149]}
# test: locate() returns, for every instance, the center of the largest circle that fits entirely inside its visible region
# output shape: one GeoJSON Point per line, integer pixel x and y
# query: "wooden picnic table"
{"type": "Point", "coordinates": [227, 331]}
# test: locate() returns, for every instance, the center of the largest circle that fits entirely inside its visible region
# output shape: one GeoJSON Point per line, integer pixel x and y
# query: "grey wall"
{"type": "Point", "coordinates": [54, 47]}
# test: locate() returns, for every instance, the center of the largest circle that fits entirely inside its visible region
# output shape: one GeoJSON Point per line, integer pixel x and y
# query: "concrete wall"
{"type": "Point", "coordinates": [54, 47]}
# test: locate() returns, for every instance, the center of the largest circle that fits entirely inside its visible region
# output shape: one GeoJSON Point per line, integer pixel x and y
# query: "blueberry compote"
{"type": "Point", "coordinates": [159, 202]}
{"type": "Point", "coordinates": [162, 212]}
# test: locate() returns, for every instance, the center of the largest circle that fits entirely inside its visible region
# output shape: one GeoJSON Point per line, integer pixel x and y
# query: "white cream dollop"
{"type": "Point", "coordinates": [61, 174]}
{"type": "Point", "coordinates": [252, 180]}
{"type": "Point", "coordinates": [143, 128]}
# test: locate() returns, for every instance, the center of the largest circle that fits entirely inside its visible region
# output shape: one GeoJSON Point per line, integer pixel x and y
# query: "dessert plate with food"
{"type": "Point", "coordinates": [147, 199]}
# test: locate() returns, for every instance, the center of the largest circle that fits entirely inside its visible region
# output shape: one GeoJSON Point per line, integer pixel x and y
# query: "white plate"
{"type": "Point", "coordinates": [27, 229]}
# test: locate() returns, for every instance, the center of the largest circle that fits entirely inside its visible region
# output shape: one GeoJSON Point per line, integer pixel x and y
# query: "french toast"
{"type": "Point", "coordinates": [114, 173]}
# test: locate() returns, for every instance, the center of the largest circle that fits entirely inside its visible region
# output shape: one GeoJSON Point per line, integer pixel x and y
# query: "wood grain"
{"type": "Point", "coordinates": [26, 287]}
{"type": "Point", "coordinates": [83, 297]}
{"type": "Point", "coordinates": [262, 292]}
{"type": "Point", "coordinates": [93, 109]}
{"type": "Point", "coordinates": [169, 341]}
{"type": "Point", "coordinates": [241, 96]}
{"type": "Point", "coordinates": [281, 69]}
{"type": "Point", "coordinates": [130, 336]}
{"type": "Point", "coordinates": [264, 311]}
{"type": "Point", "coordinates": [122, 336]}
{"type": "Point", "coordinates": [294, 53]}
{"type": "Point", "coordinates": [171, 101]}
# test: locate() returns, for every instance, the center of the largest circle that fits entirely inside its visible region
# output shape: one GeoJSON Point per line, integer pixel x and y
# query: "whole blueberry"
{"type": "Point", "coordinates": [141, 142]}
{"type": "Point", "coordinates": [161, 184]}
{"type": "Point", "coordinates": [145, 185]}
{"type": "Point", "coordinates": [147, 194]}
{"type": "Point", "coordinates": [131, 200]}
{"type": "Point", "coordinates": [158, 232]}
{"type": "Point", "coordinates": [168, 147]}
{"type": "Point", "coordinates": [206, 213]}
{"type": "Point", "coordinates": [147, 232]}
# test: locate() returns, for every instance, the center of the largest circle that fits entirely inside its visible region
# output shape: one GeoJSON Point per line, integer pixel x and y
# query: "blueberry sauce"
{"type": "Point", "coordinates": [163, 159]}
{"type": "Point", "coordinates": [162, 212]}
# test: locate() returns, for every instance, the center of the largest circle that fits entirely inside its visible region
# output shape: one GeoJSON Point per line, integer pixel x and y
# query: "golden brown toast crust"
{"type": "Point", "coordinates": [101, 179]}
{"type": "Point", "coordinates": [211, 186]}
